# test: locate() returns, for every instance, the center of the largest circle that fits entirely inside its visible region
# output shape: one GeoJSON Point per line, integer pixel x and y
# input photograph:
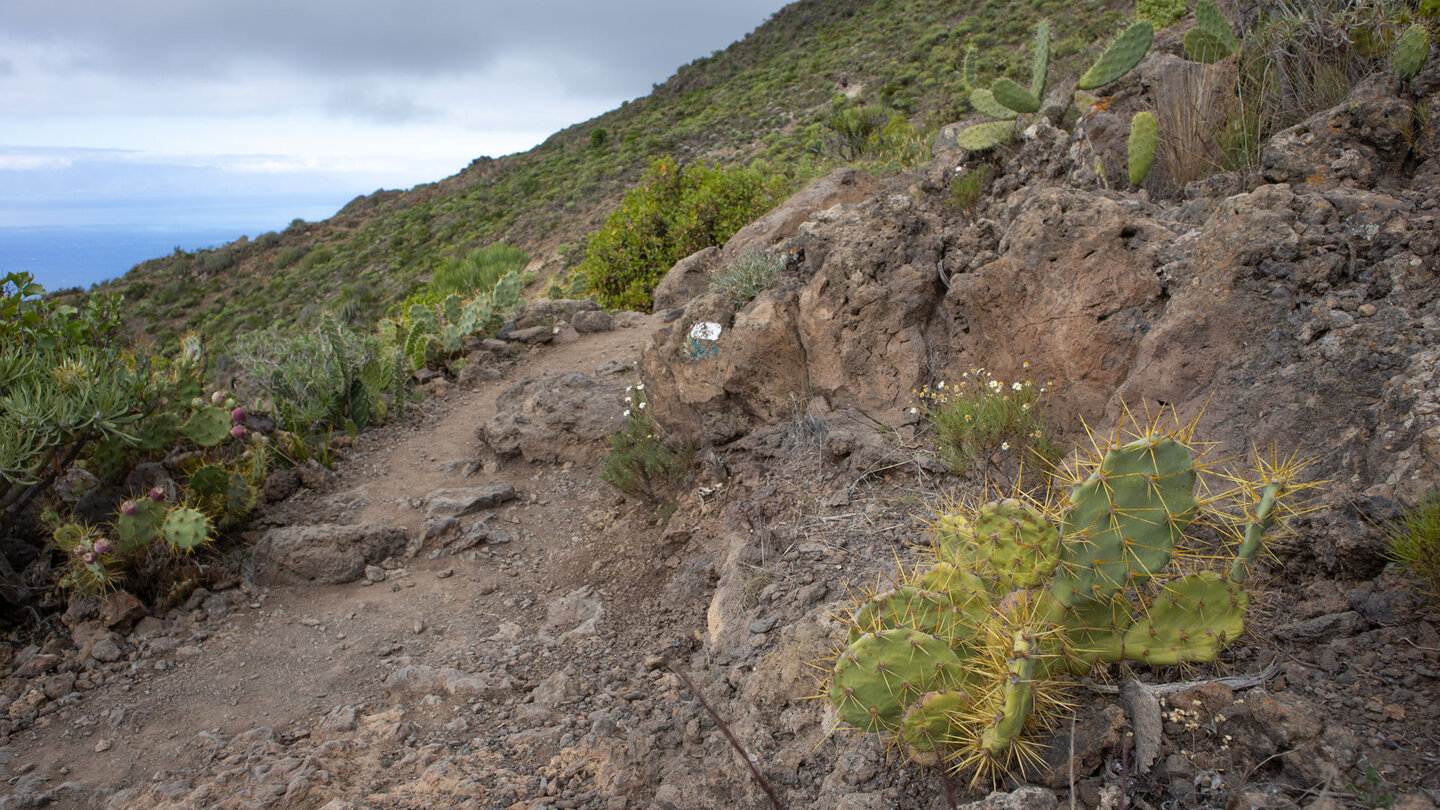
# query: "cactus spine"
{"type": "Point", "coordinates": [1120, 58]}
{"type": "Point", "coordinates": [962, 661]}
{"type": "Point", "coordinates": [1144, 135]}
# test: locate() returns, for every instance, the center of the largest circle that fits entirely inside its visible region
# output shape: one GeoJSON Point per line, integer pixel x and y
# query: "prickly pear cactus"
{"type": "Point", "coordinates": [983, 100]}
{"type": "Point", "coordinates": [961, 663]}
{"type": "Point", "coordinates": [967, 70]}
{"type": "Point", "coordinates": [985, 136]}
{"type": "Point", "coordinates": [1411, 51]}
{"type": "Point", "coordinates": [1212, 38]}
{"type": "Point", "coordinates": [1011, 95]}
{"type": "Point", "coordinates": [1144, 136]}
{"type": "Point", "coordinates": [138, 525]}
{"type": "Point", "coordinates": [185, 529]}
{"type": "Point", "coordinates": [1120, 58]}
{"type": "Point", "coordinates": [1041, 63]}
{"type": "Point", "coordinates": [207, 426]}
{"type": "Point", "coordinates": [507, 291]}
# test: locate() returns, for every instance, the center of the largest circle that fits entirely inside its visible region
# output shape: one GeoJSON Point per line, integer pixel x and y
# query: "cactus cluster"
{"type": "Point", "coordinates": [437, 332]}
{"type": "Point", "coordinates": [1212, 38]}
{"type": "Point", "coordinates": [1006, 99]}
{"type": "Point", "coordinates": [220, 490]}
{"type": "Point", "coordinates": [963, 659]}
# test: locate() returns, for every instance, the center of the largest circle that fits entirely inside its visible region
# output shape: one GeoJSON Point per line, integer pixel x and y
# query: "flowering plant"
{"type": "Point", "coordinates": [982, 416]}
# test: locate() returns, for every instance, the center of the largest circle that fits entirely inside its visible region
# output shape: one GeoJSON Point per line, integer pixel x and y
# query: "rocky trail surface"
{"type": "Point", "coordinates": [522, 619]}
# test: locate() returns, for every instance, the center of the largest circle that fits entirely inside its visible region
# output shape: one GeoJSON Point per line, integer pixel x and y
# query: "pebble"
{"type": "Point", "coordinates": [444, 573]}
{"type": "Point", "coordinates": [374, 573]}
{"type": "Point", "coordinates": [102, 746]}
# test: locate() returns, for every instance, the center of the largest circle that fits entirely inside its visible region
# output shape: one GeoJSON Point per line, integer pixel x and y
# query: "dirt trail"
{"type": "Point", "coordinates": [281, 657]}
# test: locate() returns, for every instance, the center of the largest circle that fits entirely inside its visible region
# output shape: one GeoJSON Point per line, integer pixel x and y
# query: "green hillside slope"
{"type": "Point", "coordinates": [764, 100]}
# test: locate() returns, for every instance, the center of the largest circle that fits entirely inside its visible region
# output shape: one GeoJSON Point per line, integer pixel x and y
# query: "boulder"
{"type": "Point", "coordinates": [326, 554]}
{"type": "Point", "coordinates": [688, 278]}
{"type": "Point", "coordinates": [556, 417]}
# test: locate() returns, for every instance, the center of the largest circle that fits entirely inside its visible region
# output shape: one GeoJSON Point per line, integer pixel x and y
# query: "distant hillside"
{"type": "Point", "coordinates": [764, 99]}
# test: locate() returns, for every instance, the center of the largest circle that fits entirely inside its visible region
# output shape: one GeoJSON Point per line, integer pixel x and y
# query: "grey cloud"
{"type": "Point", "coordinates": [353, 101]}
{"type": "Point", "coordinates": [619, 47]}
{"type": "Point", "coordinates": [6, 66]}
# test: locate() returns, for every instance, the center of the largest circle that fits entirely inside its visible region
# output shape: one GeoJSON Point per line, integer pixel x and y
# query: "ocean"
{"type": "Point", "coordinates": [67, 246]}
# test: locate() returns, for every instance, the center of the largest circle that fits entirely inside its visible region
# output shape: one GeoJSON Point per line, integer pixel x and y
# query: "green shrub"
{"type": "Point", "coordinates": [1414, 542]}
{"type": "Point", "coordinates": [1299, 59]}
{"type": "Point", "coordinates": [286, 257]}
{"type": "Point", "coordinates": [982, 416]}
{"type": "Point", "coordinates": [965, 192]}
{"type": "Point", "coordinates": [673, 212]}
{"type": "Point", "coordinates": [641, 463]}
{"type": "Point", "coordinates": [1161, 13]}
{"type": "Point", "coordinates": [80, 409]}
{"type": "Point", "coordinates": [854, 132]}
{"type": "Point", "coordinates": [477, 272]}
{"type": "Point", "coordinates": [748, 275]}
{"type": "Point", "coordinates": [325, 378]}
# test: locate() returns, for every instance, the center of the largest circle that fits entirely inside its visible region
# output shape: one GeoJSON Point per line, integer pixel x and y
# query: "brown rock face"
{"type": "Point", "coordinates": [1291, 314]}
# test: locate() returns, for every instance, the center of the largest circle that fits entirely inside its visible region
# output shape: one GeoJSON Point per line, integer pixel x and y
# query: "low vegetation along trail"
{"type": "Point", "coordinates": [268, 694]}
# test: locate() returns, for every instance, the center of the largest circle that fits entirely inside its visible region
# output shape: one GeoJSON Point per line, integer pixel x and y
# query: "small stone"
{"type": "Point", "coordinates": [106, 650]}
{"type": "Point", "coordinates": [374, 573]}
{"type": "Point", "coordinates": [445, 573]}
{"type": "Point", "coordinates": [102, 746]}
{"type": "Point", "coordinates": [592, 321]}
{"type": "Point", "coordinates": [761, 626]}
{"type": "Point", "coordinates": [120, 610]}
{"type": "Point", "coordinates": [419, 627]}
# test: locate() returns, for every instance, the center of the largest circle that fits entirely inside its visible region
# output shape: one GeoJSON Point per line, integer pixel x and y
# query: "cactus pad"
{"type": "Point", "coordinates": [208, 480]}
{"type": "Point", "coordinates": [928, 724]}
{"type": "Point", "coordinates": [208, 426]}
{"type": "Point", "coordinates": [967, 69]}
{"type": "Point", "coordinates": [985, 136]}
{"type": "Point", "coordinates": [158, 432]}
{"type": "Point", "coordinates": [185, 529]}
{"type": "Point", "coordinates": [1126, 518]}
{"type": "Point", "coordinates": [1041, 62]}
{"type": "Point", "coordinates": [1201, 46]}
{"type": "Point", "coordinates": [983, 100]}
{"type": "Point", "coordinates": [880, 674]}
{"type": "Point", "coordinates": [1011, 95]}
{"type": "Point", "coordinates": [1120, 58]}
{"type": "Point", "coordinates": [1144, 135]}
{"type": "Point", "coordinates": [1189, 622]}
{"type": "Point", "coordinates": [1210, 20]}
{"type": "Point", "coordinates": [507, 291]}
{"type": "Point", "coordinates": [134, 532]}
{"type": "Point", "coordinates": [1411, 51]}
{"type": "Point", "coordinates": [1015, 544]}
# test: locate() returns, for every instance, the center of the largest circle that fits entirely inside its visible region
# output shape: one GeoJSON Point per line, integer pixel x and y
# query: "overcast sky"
{"type": "Point", "coordinates": [304, 92]}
